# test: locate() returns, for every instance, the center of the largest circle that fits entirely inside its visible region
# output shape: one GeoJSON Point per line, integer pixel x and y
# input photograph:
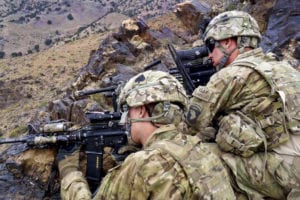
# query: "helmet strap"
{"type": "Point", "coordinates": [154, 119]}
{"type": "Point", "coordinates": [225, 57]}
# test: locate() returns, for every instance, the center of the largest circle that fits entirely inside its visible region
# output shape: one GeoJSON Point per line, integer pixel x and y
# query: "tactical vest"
{"type": "Point", "coordinates": [206, 174]}
{"type": "Point", "coordinates": [283, 80]}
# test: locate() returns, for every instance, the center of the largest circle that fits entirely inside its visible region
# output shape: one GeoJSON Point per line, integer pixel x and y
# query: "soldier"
{"type": "Point", "coordinates": [254, 103]}
{"type": "Point", "coordinates": [171, 165]}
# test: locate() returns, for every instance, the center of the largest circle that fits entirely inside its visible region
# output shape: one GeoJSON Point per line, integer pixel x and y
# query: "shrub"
{"type": "Point", "coordinates": [37, 47]}
{"type": "Point", "coordinates": [49, 22]}
{"type": "Point", "coordinates": [48, 42]}
{"type": "Point", "coordinates": [21, 19]}
{"type": "Point", "coordinates": [80, 29]}
{"type": "Point", "coordinates": [14, 54]}
{"type": "Point", "coordinates": [70, 17]}
{"type": "Point", "coordinates": [2, 54]}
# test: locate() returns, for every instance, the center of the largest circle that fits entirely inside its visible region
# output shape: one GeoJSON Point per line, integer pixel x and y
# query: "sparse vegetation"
{"type": "Point", "coordinates": [48, 42]}
{"type": "Point", "coordinates": [70, 17]}
{"type": "Point", "coordinates": [16, 54]}
{"type": "Point", "coordinates": [19, 130]}
{"type": "Point", "coordinates": [81, 29]}
{"type": "Point", "coordinates": [21, 19]}
{"type": "Point", "coordinates": [2, 54]}
{"type": "Point", "coordinates": [37, 47]}
{"type": "Point", "coordinates": [37, 12]}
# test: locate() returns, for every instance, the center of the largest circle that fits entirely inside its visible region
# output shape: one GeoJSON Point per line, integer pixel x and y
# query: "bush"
{"type": "Point", "coordinates": [14, 54]}
{"type": "Point", "coordinates": [70, 17]}
{"type": "Point", "coordinates": [81, 29]}
{"type": "Point", "coordinates": [29, 51]}
{"type": "Point", "coordinates": [21, 19]}
{"type": "Point", "coordinates": [49, 22]}
{"type": "Point", "coordinates": [2, 54]}
{"type": "Point", "coordinates": [48, 42]}
{"type": "Point", "coordinates": [37, 47]}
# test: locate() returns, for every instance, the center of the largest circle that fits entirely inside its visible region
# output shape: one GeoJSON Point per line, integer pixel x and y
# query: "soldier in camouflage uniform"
{"type": "Point", "coordinates": [254, 103]}
{"type": "Point", "coordinates": [172, 165]}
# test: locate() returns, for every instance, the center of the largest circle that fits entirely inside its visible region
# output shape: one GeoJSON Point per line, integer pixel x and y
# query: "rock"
{"type": "Point", "coordinates": [121, 74]}
{"type": "Point", "coordinates": [297, 52]}
{"type": "Point", "coordinates": [17, 169]}
{"type": "Point", "coordinates": [60, 109]}
{"type": "Point", "coordinates": [131, 27]}
{"type": "Point", "coordinates": [283, 25]}
{"type": "Point", "coordinates": [192, 13]}
{"type": "Point", "coordinates": [138, 43]}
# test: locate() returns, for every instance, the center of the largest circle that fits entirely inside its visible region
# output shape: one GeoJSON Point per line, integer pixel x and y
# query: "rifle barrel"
{"type": "Point", "coordinates": [13, 140]}
{"type": "Point", "coordinates": [82, 93]}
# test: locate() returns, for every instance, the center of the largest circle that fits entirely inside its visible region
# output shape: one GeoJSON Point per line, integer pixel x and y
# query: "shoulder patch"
{"type": "Point", "coordinates": [202, 92]}
{"type": "Point", "coordinates": [193, 113]}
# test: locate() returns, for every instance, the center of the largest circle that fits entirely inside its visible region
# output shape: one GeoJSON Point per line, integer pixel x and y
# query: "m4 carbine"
{"type": "Point", "coordinates": [103, 130]}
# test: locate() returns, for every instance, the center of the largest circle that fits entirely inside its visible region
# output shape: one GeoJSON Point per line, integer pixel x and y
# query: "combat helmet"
{"type": "Point", "coordinates": [158, 88]}
{"type": "Point", "coordinates": [234, 24]}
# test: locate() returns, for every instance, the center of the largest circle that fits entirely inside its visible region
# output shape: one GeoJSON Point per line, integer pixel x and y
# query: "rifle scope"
{"type": "Point", "coordinates": [194, 53]}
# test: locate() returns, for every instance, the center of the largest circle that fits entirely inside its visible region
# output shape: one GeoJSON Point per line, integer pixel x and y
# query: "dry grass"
{"type": "Point", "coordinates": [50, 71]}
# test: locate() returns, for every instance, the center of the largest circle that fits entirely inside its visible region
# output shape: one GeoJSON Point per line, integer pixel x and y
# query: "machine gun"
{"type": "Point", "coordinates": [192, 67]}
{"type": "Point", "coordinates": [103, 130]}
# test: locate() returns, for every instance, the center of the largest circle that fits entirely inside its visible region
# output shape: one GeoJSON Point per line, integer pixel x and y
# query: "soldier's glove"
{"type": "Point", "coordinates": [128, 149]}
{"type": "Point", "coordinates": [131, 147]}
{"type": "Point", "coordinates": [68, 159]}
{"type": "Point", "coordinates": [111, 159]}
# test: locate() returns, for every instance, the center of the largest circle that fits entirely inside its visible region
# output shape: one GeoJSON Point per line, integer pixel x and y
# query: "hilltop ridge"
{"type": "Point", "coordinates": [30, 26]}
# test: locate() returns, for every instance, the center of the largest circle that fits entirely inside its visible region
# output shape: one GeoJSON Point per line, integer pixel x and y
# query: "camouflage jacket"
{"type": "Point", "coordinates": [190, 171]}
{"type": "Point", "coordinates": [248, 102]}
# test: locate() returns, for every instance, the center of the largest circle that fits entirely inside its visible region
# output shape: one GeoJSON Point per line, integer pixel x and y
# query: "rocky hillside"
{"type": "Point", "coordinates": [30, 26]}
{"type": "Point", "coordinates": [40, 87]}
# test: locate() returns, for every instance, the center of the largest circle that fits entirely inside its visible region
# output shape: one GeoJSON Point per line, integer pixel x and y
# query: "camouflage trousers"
{"type": "Point", "coordinates": [266, 175]}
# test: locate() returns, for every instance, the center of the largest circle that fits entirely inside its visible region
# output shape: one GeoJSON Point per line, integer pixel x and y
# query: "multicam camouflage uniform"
{"type": "Point", "coordinates": [171, 165]}
{"type": "Point", "coordinates": [255, 104]}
